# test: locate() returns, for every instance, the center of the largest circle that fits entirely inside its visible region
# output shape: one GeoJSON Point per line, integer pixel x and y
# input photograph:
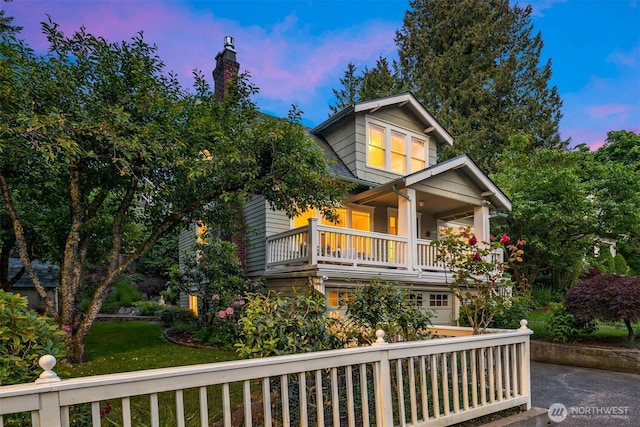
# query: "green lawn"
{"type": "Point", "coordinates": [537, 320]}
{"type": "Point", "coordinates": [122, 346]}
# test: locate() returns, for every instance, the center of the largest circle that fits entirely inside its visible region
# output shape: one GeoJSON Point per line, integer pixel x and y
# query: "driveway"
{"type": "Point", "coordinates": [591, 397]}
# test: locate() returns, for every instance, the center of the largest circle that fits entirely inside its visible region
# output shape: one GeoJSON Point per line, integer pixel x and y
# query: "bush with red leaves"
{"type": "Point", "coordinates": [607, 297]}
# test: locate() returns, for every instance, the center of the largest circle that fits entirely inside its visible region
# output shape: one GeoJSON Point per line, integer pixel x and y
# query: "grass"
{"type": "Point", "coordinates": [605, 331]}
{"type": "Point", "coordinates": [118, 346]}
{"type": "Point", "coordinates": [136, 345]}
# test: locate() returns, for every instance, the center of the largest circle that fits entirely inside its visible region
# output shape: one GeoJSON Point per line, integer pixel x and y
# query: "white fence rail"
{"type": "Point", "coordinates": [441, 382]}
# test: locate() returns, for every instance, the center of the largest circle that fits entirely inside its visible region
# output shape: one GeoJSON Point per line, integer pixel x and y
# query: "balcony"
{"type": "Point", "coordinates": [315, 246]}
{"type": "Point", "coordinates": [442, 381]}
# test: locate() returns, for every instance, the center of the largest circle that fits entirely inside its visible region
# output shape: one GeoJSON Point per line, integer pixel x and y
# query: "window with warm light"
{"type": "Point", "coordinates": [438, 300]}
{"type": "Point", "coordinates": [376, 151]}
{"type": "Point", "coordinates": [336, 299]}
{"type": "Point", "coordinates": [418, 155]}
{"type": "Point", "coordinates": [393, 149]}
{"type": "Point", "coordinates": [302, 220]}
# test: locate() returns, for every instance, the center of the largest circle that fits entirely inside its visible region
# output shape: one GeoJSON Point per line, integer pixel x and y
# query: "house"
{"type": "Point", "coordinates": [48, 275]}
{"type": "Point", "coordinates": [387, 147]}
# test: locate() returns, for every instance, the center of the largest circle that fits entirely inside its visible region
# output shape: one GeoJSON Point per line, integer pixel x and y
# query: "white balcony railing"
{"type": "Point", "coordinates": [320, 244]}
{"type": "Point", "coordinates": [440, 381]}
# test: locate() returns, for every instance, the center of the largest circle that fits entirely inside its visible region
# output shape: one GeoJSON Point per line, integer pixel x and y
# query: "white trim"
{"type": "Point", "coordinates": [388, 130]}
{"type": "Point", "coordinates": [402, 99]}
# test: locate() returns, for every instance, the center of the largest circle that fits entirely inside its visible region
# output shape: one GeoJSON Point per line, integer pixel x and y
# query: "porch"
{"type": "Point", "coordinates": [437, 382]}
{"type": "Point", "coordinates": [316, 245]}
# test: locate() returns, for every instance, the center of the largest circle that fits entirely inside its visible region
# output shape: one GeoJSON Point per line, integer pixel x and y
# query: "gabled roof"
{"type": "Point", "coordinates": [432, 126]}
{"type": "Point", "coordinates": [490, 190]}
{"type": "Point", "coordinates": [46, 272]}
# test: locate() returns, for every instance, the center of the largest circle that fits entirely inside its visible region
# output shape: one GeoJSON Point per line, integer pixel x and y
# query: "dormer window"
{"type": "Point", "coordinates": [394, 149]}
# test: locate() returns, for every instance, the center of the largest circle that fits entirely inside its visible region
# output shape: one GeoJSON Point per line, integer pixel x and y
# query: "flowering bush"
{"type": "Point", "coordinates": [476, 277]}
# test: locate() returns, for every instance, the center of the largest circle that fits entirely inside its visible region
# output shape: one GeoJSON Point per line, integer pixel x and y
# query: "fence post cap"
{"type": "Point", "coordinates": [47, 362]}
{"type": "Point", "coordinates": [380, 338]}
{"type": "Point", "coordinates": [523, 325]}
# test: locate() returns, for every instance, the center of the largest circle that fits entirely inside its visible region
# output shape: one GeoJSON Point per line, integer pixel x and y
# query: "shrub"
{"type": "Point", "coordinates": [387, 306]}
{"type": "Point", "coordinates": [563, 326]}
{"type": "Point", "coordinates": [607, 297]}
{"type": "Point", "coordinates": [273, 325]}
{"type": "Point", "coordinates": [544, 295]}
{"type": "Point", "coordinates": [513, 311]}
{"type": "Point", "coordinates": [24, 338]}
{"type": "Point", "coordinates": [147, 308]}
{"type": "Point", "coordinates": [178, 318]}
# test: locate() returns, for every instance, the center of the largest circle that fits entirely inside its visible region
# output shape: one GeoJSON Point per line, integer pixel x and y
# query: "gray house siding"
{"type": "Point", "coordinates": [255, 219]}
{"type": "Point", "coordinates": [341, 139]}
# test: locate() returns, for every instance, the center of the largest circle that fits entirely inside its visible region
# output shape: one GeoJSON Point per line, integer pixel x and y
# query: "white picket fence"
{"type": "Point", "coordinates": [436, 382]}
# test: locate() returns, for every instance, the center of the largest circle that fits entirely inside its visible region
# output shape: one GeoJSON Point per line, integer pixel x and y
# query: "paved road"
{"type": "Point", "coordinates": [592, 397]}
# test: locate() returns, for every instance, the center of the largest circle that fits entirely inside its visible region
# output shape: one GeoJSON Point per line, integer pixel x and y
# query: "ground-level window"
{"type": "Point", "coordinates": [415, 299]}
{"type": "Point", "coordinates": [338, 299]}
{"type": "Point", "coordinates": [438, 300]}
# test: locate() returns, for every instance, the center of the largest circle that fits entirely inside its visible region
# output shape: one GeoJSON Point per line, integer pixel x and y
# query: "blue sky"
{"type": "Point", "coordinates": [296, 51]}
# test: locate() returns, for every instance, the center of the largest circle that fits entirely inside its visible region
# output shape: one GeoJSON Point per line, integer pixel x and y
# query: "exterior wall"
{"type": "Point", "coordinates": [433, 152]}
{"type": "Point", "coordinates": [341, 138]}
{"type": "Point", "coordinates": [33, 299]}
{"type": "Point", "coordinates": [255, 219]}
{"type": "Point", "coordinates": [453, 185]}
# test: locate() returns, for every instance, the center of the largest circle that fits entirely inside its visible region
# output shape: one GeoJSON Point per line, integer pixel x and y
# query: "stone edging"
{"type": "Point", "coordinates": [608, 359]}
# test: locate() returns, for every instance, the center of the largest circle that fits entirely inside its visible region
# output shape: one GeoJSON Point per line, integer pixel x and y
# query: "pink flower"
{"type": "Point", "coordinates": [222, 314]}
{"type": "Point", "coordinates": [239, 302]}
{"type": "Point", "coordinates": [67, 328]}
{"type": "Point", "coordinates": [521, 242]}
{"type": "Point", "coordinates": [476, 256]}
{"type": "Point", "coordinates": [229, 310]}
{"type": "Point", "coordinates": [473, 240]}
{"type": "Point", "coordinates": [215, 297]}
{"type": "Point", "coordinates": [505, 239]}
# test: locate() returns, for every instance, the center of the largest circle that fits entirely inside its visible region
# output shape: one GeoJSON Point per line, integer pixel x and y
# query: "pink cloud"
{"type": "Point", "coordinates": [610, 109]}
{"type": "Point", "coordinates": [630, 58]}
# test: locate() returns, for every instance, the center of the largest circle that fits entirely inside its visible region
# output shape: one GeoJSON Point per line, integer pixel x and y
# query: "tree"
{"type": "Point", "coordinates": [622, 149]}
{"type": "Point", "coordinates": [621, 146]}
{"type": "Point", "coordinates": [562, 202]}
{"type": "Point", "coordinates": [607, 297]}
{"type": "Point", "coordinates": [105, 130]}
{"type": "Point", "coordinates": [551, 210]}
{"type": "Point", "coordinates": [475, 65]}
{"type": "Point", "coordinates": [478, 281]}
{"type": "Point", "coordinates": [349, 94]}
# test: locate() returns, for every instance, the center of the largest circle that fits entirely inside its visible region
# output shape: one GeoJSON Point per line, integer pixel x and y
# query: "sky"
{"type": "Point", "coordinates": [297, 51]}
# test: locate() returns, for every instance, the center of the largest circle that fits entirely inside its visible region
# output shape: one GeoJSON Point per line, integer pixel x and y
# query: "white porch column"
{"type": "Point", "coordinates": [481, 223]}
{"type": "Point", "coordinates": [407, 226]}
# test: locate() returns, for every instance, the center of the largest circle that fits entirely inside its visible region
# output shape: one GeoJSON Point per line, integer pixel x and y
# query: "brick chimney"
{"type": "Point", "coordinates": [226, 68]}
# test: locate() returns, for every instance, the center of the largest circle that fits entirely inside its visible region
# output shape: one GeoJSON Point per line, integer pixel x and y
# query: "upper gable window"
{"type": "Point", "coordinates": [394, 149]}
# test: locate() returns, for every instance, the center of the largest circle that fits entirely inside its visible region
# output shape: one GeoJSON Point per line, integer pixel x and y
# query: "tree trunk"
{"type": "Point", "coordinates": [631, 337]}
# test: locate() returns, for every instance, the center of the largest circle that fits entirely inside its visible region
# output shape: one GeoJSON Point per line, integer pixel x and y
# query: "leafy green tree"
{"type": "Point", "coordinates": [623, 149]}
{"type": "Point", "coordinates": [562, 202]}
{"type": "Point", "coordinates": [133, 156]}
{"type": "Point", "coordinates": [621, 146]}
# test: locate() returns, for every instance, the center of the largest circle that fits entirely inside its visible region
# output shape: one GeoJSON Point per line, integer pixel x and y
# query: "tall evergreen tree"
{"type": "Point", "coordinates": [378, 81]}
{"type": "Point", "coordinates": [349, 94]}
{"type": "Point", "coordinates": [372, 83]}
{"type": "Point", "coordinates": [475, 64]}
